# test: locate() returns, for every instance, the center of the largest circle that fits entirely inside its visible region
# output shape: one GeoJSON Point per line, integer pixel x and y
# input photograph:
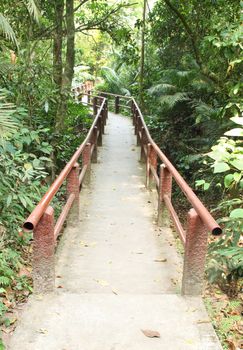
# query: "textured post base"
{"type": "Point", "coordinates": [43, 254]}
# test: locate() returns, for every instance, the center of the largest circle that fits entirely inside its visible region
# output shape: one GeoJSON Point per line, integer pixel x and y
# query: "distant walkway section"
{"type": "Point", "coordinates": [118, 275]}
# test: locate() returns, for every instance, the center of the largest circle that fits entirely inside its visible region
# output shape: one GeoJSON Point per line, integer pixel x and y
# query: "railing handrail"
{"type": "Point", "coordinates": [201, 210]}
{"type": "Point", "coordinates": [114, 95]}
{"type": "Point", "coordinates": [40, 208]}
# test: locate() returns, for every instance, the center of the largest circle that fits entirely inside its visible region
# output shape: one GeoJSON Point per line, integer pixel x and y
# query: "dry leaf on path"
{"type": "Point", "coordinates": [102, 283]}
{"type": "Point", "coordinates": [42, 331]}
{"type": "Point", "coordinates": [150, 333]}
{"type": "Point", "coordinates": [160, 260]}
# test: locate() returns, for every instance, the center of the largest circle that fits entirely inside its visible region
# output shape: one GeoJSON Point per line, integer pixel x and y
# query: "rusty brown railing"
{"type": "Point", "coordinates": [41, 220]}
{"type": "Point", "coordinates": [199, 220]}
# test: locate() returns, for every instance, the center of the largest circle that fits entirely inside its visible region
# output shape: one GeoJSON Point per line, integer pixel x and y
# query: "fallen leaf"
{"type": "Point", "coordinates": [102, 283]}
{"type": "Point", "coordinates": [150, 333]}
{"type": "Point", "coordinates": [42, 331]}
{"type": "Point", "coordinates": [114, 291]}
{"type": "Point", "coordinates": [203, 321]}
{"type": "Point", "coordinates": [160, 260]}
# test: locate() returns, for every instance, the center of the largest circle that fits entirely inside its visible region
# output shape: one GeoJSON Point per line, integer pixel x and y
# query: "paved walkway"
{"type": "Point", "coordinates": [117, 273]}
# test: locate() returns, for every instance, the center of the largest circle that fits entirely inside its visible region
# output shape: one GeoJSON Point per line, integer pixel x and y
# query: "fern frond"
{"type": "Point", "coordinates": [33, 10]}
{"type": "Point", "coordinates": [7, 124]}
{"type": "Point", "coordinates": [161, 88]}
{"type": "Point", "coordinates": [6, 29]}
{"type": "Point", "coordinates": [203, 111]}
{"type": "Point", "coordinates": [171, 100]}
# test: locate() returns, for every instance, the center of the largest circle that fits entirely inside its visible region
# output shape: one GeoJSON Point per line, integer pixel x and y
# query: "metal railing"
{"type": "Point", "coordinates": [41, 220]}
{"type": "Point", "coordinates": [199, 221]}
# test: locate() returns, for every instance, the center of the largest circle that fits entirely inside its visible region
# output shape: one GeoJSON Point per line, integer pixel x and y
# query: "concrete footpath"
{"type": "Point", "coordinates": [117, 273]}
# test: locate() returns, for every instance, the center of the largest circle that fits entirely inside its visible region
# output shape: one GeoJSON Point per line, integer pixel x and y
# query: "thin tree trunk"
{"type": "Point", "coordinates": [70, 53]}
{"type": "Point", "coordinates": [67, 76]}
{"type": "Point", "coordinates": [141, 75]}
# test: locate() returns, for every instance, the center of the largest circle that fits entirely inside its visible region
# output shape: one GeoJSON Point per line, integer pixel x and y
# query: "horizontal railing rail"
{"type": "Point", "coordinates": [199, 220]}
{"type": "Point", "coordinates": [41, 220]}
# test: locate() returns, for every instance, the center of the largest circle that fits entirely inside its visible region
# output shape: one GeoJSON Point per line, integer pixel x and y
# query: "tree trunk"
{"type": "Point", "coordinates": [141, 75]}
{"type": "Point", "coordinates": [57, 59]}
{"type": "Point", "coordinates": [67, 76]}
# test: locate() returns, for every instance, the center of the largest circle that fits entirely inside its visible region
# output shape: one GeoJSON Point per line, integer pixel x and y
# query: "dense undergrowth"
{"type": "Point", "coordinates": [189, 88]}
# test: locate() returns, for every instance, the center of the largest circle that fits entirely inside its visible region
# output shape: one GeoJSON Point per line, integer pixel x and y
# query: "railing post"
{"type": "Point", "coordinates": [43, 254]}
{"type": "Point", "coordinates": [95, 109]}
{"type": "Point", "coordinates": [73, 187]}
{"type": "Point", "coordinates": [195, 255]}
{"type": "Point", "coordinates": [117, 107]}
{"type": "Point", "coordinates": [148, 165]}
{"type": "Point", "coordinates": [138, 130]}
{"type": "Point", "coordinates": [102, 117]}
{"type": "Point", "coordinates": [86, 160]}
{"type": "Point", "coordinates": [105, 112]}
{"type": "Point", "coordinates": [165, 188]}
{"type": "Point", "coordinates": [94, 142]}
{"type": "Point", "coordinates": [135, 122]}
{"type": "Point", "coordinates": [143, 142]}
{"type": "Point", "coordinates": [99, 129]}
{"type": "Point", "coordinates": [88, 93]}
{"type": "Point", "coordinates": [151, 161]}
{"type": "Point", "coordinates": [133, 112]}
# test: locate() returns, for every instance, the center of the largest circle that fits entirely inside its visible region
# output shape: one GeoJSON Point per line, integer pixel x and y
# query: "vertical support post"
{"type": "Point", "coordinates": [106, 108]}
{"type": "Point", "coordinates": [88, 93]}
{"type": "Point", "coordinates": [153, 162]}
{"type": "Point", "coordinates": [143, 142]}
{"type": "Point", "coordinates": [133, 112]}
{"type": "Point", "coordinates": [102, 118]}
{"type": "Point", "coordinates": [165, 188]}
{"type": "Point", "coordinates": [94, 142]}
{"type": "Point", "coordinates": [117, 107]}
{"type": "Point", "coordinates": [138, 130]}
{"type": "Point", "coordinates": [148, 165]}
{"type": "Point", "coordinates": [135, 122]}
{"type": "Point", "coordinates": [195, 255]}
{"type": "Point", "coordinates": [73, 187]}
{"type": "Point", "coordinates": [43, 254]}
{"type": "Point", "coordinates": [86, 160]}
{"type": "Point", "coordinates": [95, 109]}
{"type": "Point", "coordinates": [99, 130]}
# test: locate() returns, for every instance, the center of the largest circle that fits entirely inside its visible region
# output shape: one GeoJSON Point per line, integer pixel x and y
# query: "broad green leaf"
{"type": "Point", "coordinates": [234, 132]}
{"type": "Point", "coordinates": [237, 163]}
{"type": "Point", "coordinates": [228, 180]}
{"type": "Point", "coordinates": [237, 177]}
{"type": "Point", "coordinates": [236, 213]}
{"type": "Point", "coordinates": [237, 120]}
{"type": "Point", "coordinates": [220, 167]}
{"type": "Point", "coordinates": [200, 183]}
{"type": "Point", "coordinates": [206, 186]}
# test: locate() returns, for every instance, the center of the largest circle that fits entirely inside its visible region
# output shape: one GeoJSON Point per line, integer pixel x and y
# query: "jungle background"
{"type": "Point", "coordinates": [182, 60]}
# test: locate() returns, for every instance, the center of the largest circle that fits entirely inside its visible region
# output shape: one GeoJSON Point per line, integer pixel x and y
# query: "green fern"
{"type": "Point", "coordinates": [114, 81]}
{"type": "Point", "coordinates": [171, 100]}
{"type": "Point", "coordinates": [34, 10]}
{"type": "Point", "coordinates": [6, 29]}
{"type": "Point", "coordinates": [161, 88]}
{"type": "Point", "coordinates": [4, 281]}
{"type": "Point", "coordinates": [7, 124]}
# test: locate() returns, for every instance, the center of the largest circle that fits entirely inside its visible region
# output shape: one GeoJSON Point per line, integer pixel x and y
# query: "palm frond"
{"type": "Point", "coordinates": [7, 124]}
{"type": "Point", "coordinates": [171, 100]}
{"type": "Point", "coordinates": [204, 112]}
{"type": "Point", "coordinates": [161, 88]}
{"type": "Point", "coordinates": [33, 10]}
{"type": "Point", "coordinates": [114, 80]}
{"type": "Point", "coordinates": [6, 29]}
